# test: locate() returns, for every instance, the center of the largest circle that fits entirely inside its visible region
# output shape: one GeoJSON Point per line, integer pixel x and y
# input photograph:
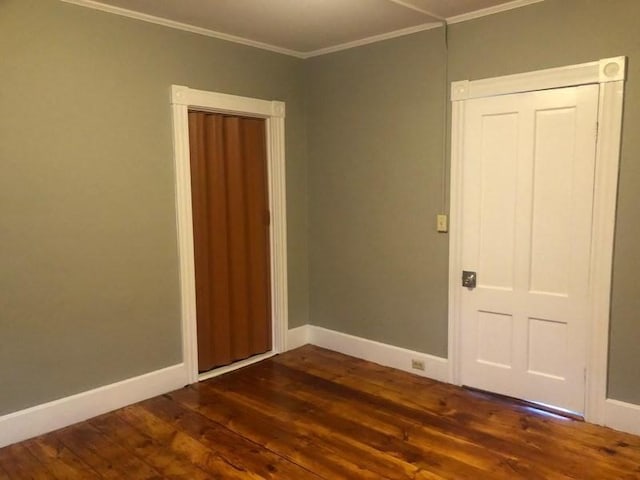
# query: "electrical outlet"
{"type": "Point", "coordinates": [417, 364]}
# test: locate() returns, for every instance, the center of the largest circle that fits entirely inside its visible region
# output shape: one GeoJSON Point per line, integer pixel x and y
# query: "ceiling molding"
{"type": "Point", "coordinates": [376, 38]}
{"type": "Point", "coordinates": [96, 5]}
{"type": "Point", "coordinates": [411, 6]}
{"type": "Point", "coordinates": [183, 26]}
{"type": "Point", "coordinates": [491, 10]}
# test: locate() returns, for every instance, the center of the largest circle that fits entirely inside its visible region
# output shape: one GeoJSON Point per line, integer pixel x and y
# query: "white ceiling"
{"type": "Point", "coordinates": [304, 27]}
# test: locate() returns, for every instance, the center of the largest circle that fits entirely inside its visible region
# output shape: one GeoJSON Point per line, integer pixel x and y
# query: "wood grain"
{"type": "Point", "coordinates": [316, 414]}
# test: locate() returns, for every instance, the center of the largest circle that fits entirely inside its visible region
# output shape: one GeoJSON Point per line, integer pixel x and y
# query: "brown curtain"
{"type": "Point", "coordinates": [231, 237]}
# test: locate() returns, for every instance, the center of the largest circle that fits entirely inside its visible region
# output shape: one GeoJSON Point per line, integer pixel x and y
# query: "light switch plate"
{"type": "Point", "coordinates": [442, 224]}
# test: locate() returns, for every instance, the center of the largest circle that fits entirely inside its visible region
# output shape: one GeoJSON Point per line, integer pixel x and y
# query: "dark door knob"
{"type": "Point", "coordinates": [469, 279]}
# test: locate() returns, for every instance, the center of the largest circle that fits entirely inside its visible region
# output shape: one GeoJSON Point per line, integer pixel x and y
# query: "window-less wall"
{"type": "Point", "coordinates": [89, 291]}
{"type": "Point", "coordinates": [378, 268]}
{"type": "Point", "coordinates": [88, 260]}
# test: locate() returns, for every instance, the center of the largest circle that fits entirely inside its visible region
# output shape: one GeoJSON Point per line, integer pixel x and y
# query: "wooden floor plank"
{"type": "Point", "coordinates": [184, 445]}
{"type": "Point", "coordinates": [505, 427]}
{"type": "Point", "coordinates": [313, 414]}
{"type": "Point", "coordinates": [19, 463]}
{"type": "Point", "coordinates": [108, 459]}
{"type": "Point", "coordinates": [145, 447]}
{"type": "Point", "coordinates": [396, 457]}
{"type": "Point", "coordinates": [60, 461]}
{"type": "Point", "coordinates": [235, 448]}
{"type": "Point", "coordinates": [274, 434]}
{"type": "Point", "coordinates": [455, 431]}
{"type": "Point", "coordinates": [410, 437]}
{"type": "Point", "coordinates": [324, 432]}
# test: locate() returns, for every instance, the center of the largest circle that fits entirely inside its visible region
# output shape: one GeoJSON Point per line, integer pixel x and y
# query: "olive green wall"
{"type": "Point", "coordinates": [377, 268]}
{"type": "Point", "coordinates": [89, 291]}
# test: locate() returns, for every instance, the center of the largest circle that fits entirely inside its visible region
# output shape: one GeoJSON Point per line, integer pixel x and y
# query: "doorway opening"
{"type": "Point", "coordinates": [240, 190]}
{"type": "Point", "coordinates": [520, 330]}
{"type": "Point", "coordinates": [229, 200]}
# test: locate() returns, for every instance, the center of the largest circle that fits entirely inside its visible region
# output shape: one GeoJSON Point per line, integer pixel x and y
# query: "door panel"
{"type": "Point", "coordinates": [231, 237]}
{"type": "Point", "coordinates": [258, 232]}
{"type": "Point", "coordinates": [528, 177]}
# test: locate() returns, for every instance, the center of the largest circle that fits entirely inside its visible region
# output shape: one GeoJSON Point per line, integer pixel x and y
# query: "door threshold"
{"type": "Point", "coordinates": [537, 407]}
{"type": "Point", "coordinates": [236, 365]}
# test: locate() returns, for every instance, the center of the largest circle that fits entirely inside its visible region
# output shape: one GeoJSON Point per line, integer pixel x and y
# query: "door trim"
{"type": "Point", "coordinates": [610, 75]}
{"type": "Point", "coordinates": [183, 98]}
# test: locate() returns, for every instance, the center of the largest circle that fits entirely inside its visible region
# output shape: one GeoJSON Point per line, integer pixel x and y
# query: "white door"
{"type": "Point", "coordinates": [527, 180]}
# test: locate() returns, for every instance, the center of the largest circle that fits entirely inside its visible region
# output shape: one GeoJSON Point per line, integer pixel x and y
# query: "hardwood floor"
{"type": "Point", "coordinates": [316, 414]}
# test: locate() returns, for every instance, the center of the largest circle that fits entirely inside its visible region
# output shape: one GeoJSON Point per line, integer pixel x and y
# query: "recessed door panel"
{"type": "Point", "coordinates": [495, 339]}
{"type": "Point", "coordinates": [555, 138]}
{"type": "Point", "coordinates": [548, 341]}
{"type": "Point", "coordinates": [497, 199]}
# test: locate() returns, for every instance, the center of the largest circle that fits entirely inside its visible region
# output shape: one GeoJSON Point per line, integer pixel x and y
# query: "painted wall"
{"type": "Point", "coordinates": [89, 291]}
{"type": "Point", "coordinates": [378, 269]}
{"type": "Point", "coordinates": [88, 259]}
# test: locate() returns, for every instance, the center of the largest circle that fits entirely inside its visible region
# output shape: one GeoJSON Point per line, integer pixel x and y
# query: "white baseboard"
{"type": "Point", "coordinates": [47, 417]}
{"type": "Point", "coordinates": [297, 337]}
{"type": "Point", "coordinates": [388, 355]}
{"type": "Point", "coordinates": [622, 416]}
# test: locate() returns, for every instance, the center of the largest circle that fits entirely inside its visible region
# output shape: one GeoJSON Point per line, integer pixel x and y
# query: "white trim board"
{"type": "Point", "coordinates": [182, 99]}
{"type": "Point", "coordinates": [124, 12]}
{"type": "Point", "coordinates": [622, 416]}
{"type": "Point", "coordinates": [491, 10]}
{"type": "Point", "coordinates": [374, 39]}
{"type": "Point", "coordinates": [436, 368]}
{"type": "Point", "coordinates": [610, 74]}
{"type": "Point", "coordinates": [297, 337]}
{"type": "Point", "coordinates": [44, 418]}
{"type": "Point", "coordinates": [50, 416]}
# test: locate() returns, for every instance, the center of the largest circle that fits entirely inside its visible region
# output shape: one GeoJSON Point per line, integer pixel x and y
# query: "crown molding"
{"type": "Point", "coordinates": [183, 26]}
{"type": "Point", "coordinates": [375, 38]}
{"type": "Point", "coordinates": [491, 10]}
{"type": "Point", "coordinates": [410, 5]}
{"type": "Point", "coordinates": [95, 5]}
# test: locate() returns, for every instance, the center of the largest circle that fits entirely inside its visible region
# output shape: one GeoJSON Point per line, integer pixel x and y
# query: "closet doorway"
{"type": "Point", "coordinates": [230, 198]}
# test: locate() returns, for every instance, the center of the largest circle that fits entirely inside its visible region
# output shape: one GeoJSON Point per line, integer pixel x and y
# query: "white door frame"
{"type": "Point", "coordinates": [183, 99]}
{"type": "Point", "coordinates": [610, 75]}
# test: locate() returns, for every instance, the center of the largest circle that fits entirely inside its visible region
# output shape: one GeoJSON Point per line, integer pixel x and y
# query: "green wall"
{"type": "Point", "coordinates": [89, 291]}
{"type": "Point", "coordinates": [377, 268]}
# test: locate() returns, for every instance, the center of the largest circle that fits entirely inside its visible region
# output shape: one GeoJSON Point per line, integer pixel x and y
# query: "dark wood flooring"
{"type": "Point", "coordinates": [316, 414]}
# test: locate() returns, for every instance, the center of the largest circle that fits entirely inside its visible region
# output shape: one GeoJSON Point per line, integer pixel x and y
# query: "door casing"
{"type": "Point", "coordinates": [183, 99]}
{"type": "Point", "coordinates": [610, 75]}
